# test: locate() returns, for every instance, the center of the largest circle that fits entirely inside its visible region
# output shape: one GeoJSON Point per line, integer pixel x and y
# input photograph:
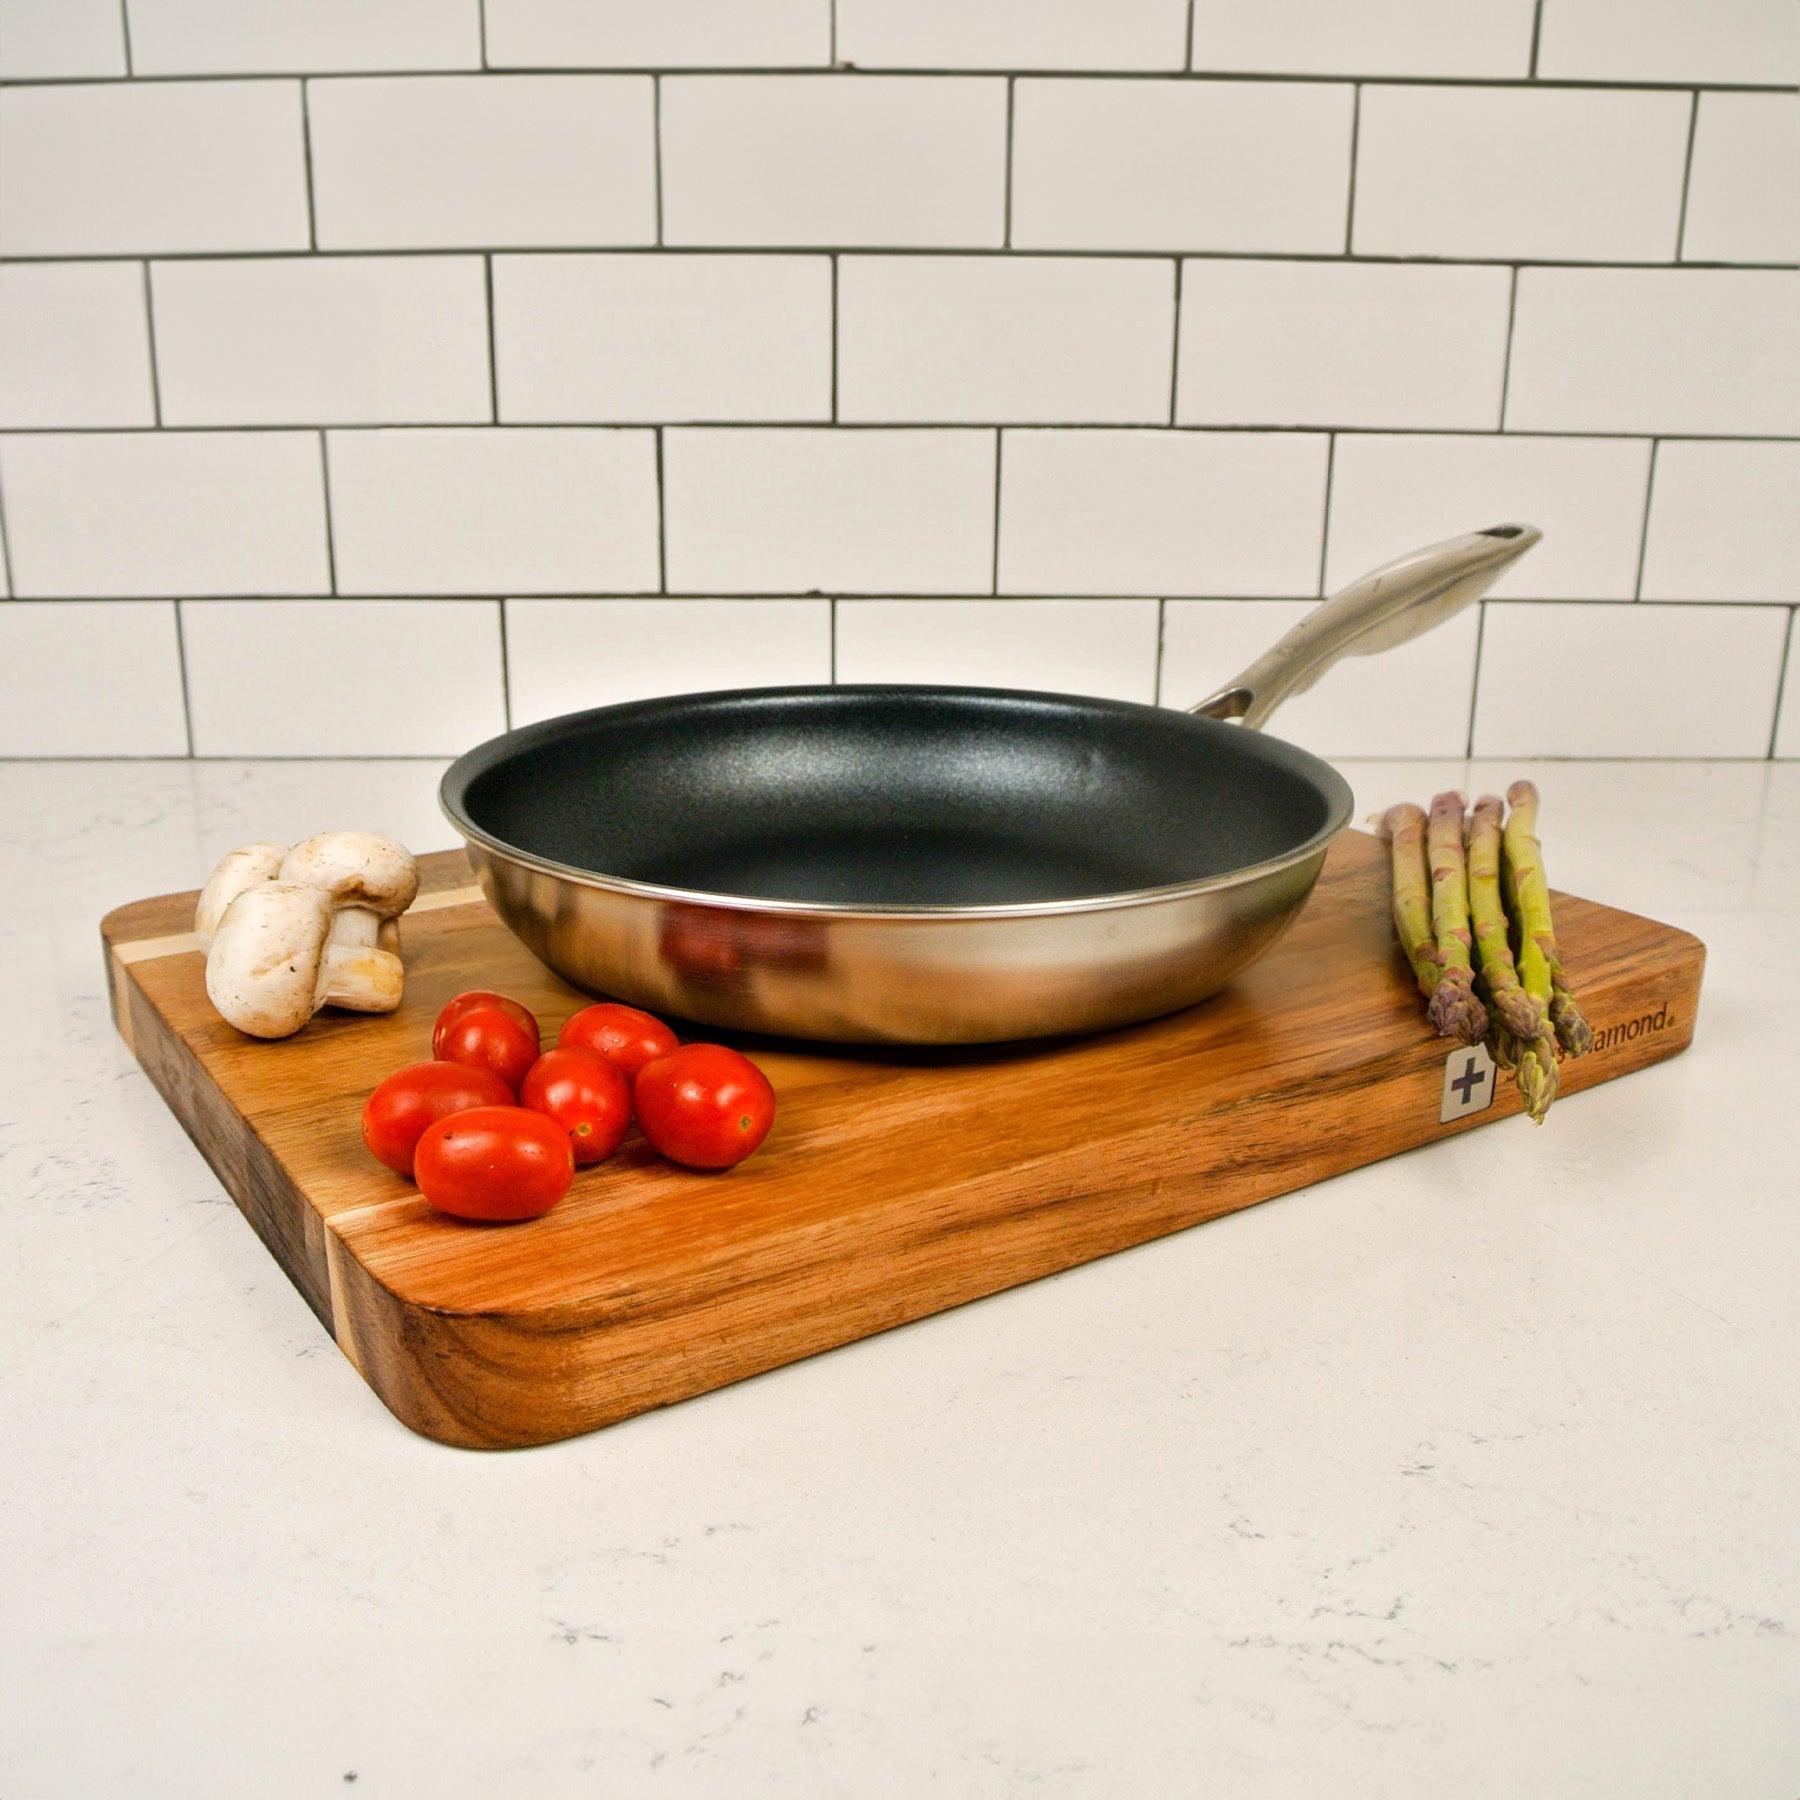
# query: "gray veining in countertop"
{"type": "Point", "coordinates": [1474, 1473]}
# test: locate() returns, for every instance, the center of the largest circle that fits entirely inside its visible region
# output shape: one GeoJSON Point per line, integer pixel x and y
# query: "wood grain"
{"type": "Point", "coordinates": [894, 1185]}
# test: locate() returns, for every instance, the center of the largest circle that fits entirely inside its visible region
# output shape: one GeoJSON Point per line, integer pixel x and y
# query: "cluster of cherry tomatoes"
{"type": "Point", "coordinates": [494, 1127]}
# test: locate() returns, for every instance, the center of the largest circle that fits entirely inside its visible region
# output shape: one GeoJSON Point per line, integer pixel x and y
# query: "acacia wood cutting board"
{"type": "Point", "coordinates": [894, 1184]}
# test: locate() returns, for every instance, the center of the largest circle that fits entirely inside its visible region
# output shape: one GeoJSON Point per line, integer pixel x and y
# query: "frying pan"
{"type": "Point", "coordinates": [931, 865]}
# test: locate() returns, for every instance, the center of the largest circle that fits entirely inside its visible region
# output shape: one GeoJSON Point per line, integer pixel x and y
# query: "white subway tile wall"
{"type": "Point", "coordinates": [547, 353]}
{"type": "Point", "coordinates": [433, 162]}
{"type": "Point", "coordinates": [74, 346]}
{"type": "Point", "coordinates": [567, 655]}
{"type": "Point", "coordinates": [1337, 343]}
{"type": "Point", "coordinates": [493, 512]}
{"type": "Point", "coordinates": [164, 513]}
{"type": "Point", "coordinates": [342, 677]}
{"type": "Point", "coordinates": [1542, 174]}
{"type": "Point", "coordinates": [1026, 339]}
{"type": "Point", "coordinates": [1743, 202]}
{"type": "Point", "coordinates": [340, 340]}
{"type": "Point", "coordinates": [1012, 34]}
{"type": "Point", "coordinates": [58, 40]}
{"type": "Point", "coordinates": [1724, 522]}
{"type": "Point", "coordinates": [822, 160]}
{"type": "Point", "coordinates": [1104, 647]}
{"type": "Point", "coordinates": [659, 338]}
{"type": "Point", "coordinates": [284, 37]}
{"type": "Point", "coordinates": [1365, 37]}
{"type": "Point", "coordinates": [90, 678]}
{"type": "Point", "coordinates": [671, 34]}
{"type": "Point", "coordinates": [782, 512]}
{"type": "Point", "coordinates": [1181, 165]}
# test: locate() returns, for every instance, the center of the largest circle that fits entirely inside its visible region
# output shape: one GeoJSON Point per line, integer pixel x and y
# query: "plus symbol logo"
{"type": "Point", "coordinates": [1468, 1083]}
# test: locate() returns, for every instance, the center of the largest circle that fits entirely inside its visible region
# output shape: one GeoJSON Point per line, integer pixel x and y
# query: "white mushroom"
{"type": "Point", "coordinates": [240, 869]}
{"type": "Point", "coordinates": [371, 879]}
{"type": "Point", "coordinates": [273, 964]}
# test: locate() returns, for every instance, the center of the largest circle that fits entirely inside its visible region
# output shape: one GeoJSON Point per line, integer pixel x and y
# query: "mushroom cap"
{"type": "Point", "coordinates": [265, 968]}
{"type": "Point", "coordinates": [356, 868]}
{"type": "Point", "coordinates": [235, 871]}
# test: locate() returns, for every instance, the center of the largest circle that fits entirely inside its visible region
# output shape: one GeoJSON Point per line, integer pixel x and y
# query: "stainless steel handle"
{"type": "Point", "coordinates": [1387, 607]}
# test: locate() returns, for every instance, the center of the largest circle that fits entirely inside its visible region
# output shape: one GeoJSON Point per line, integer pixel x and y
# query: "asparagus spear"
{"type": "Point", "coordinates": [1404, 828]}
{"type": "Point", "coordinates": [1518, 1014]}
{"type": "Point", "coordinates": [1456, 1010]}
{"type": "Point", "coordinates": [1524, 863]}
{"type": "Point", "coordinates": [1513, 1007]}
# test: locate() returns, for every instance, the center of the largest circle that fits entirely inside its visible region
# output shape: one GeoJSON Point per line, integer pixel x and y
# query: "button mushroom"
{"type": "Point", "coordinates": [238, 870]}
{"type": "Point", "coordinates": [290, 930]}
{"type": "Point", "coordinates": [371, 879]}
{"type": "Point", "coordinates": [273, 963]}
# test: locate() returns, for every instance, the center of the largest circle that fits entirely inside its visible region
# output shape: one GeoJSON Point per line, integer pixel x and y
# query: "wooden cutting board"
{"type": "Point", "coordinates": [894, 1184]}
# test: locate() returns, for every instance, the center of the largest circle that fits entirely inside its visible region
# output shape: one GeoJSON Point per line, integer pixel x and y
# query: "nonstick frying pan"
{"type": "Point", "coordinates": [931, 865]}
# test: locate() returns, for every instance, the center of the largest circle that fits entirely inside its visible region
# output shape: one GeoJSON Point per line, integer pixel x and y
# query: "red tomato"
{"type": "Point", "coordinates": [411, 1100]}
{"type": "Point", "coordinates": [494, 1162]}
{"type": "Point", "coordinates": [454, 1010]}
{"type": "Point", "coordinates": [621, 1034]}
{"type": "Point", "coordinates": [704, 1105]}
{"type": "Point", "coordinates": [585, 1094]}
{"type": "Point", "coordinates": [487, 1038]}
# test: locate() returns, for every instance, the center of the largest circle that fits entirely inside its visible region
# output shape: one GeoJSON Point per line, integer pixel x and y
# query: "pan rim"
{"type": "Point", "coordinates": [1334, 789]}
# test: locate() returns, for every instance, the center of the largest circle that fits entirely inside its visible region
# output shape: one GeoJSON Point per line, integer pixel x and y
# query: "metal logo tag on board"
{"type": "Point", "coordinates": [1468, 1083]}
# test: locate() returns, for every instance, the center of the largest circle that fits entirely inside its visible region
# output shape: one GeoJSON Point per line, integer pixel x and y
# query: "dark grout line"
{"type": "Point", "coordinates": [1187, 49]}
{"type": "Point", "coordinates": [1355, 130]}
{"type": "Point", "coordinates": [834, 338]}
{"type": "Point", "coordinates": [1781, 675]}
{"type": "Point", "coordinates": [656, 153]}
{"type": "Point", "coordinates": [125, 32]}
{"type": "Point", "coordinates": [1010, 252]}
{"type": "Point", "coordinates": [1175, 347]}
{"type": "Point", "coordinates": [12, 590]}
{"type": "Point", "coordinates": [1162, 606]}
{"type": "Point", "coordinates": [1154, 427]}
{"type": "Point", "coordinates": [831, 55]}
{"type": "Point", "coordinates": [481, 27]}
{"type": "Point", "coordinates": [330, 536]}
{"type": "Point", "coordinates": [1481, 612]}
{"type": "Point", "coordinates": [1537, 31]}
{"type": "Point", "coordinates": [487, 272]}
{"type": "Point", "coordinates": [999, 451]}
{"type": "Point", "coordinates": [662, 529]}
{"type": "Point", "coordinates": [1325, 510]}
{"type": "Point", "coordinates": [1007, 199]}
{"type": "Point", "coordinates": [1637, 585]}
{"type": "Point", "coordinates": [181, 659]}
{"type": "Point", "coordinates": [1512, 313]}
{"type": "Point", "coordinates": [834, 629]}
{"type": "Point", "coordinates": [1185, 77]}
{"type": "Point", "coordinates": [312, 219]}
{"type": "Point", "coordinates": [156, 412]}
{"type": "Point", "coordinates": [1687, 177]}
{"type": "Point", "coordinates": [506, 707]}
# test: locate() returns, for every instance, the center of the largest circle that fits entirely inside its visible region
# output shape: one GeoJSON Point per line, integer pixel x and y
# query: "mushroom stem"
{"type": "Point", "coordinates": [360, 978]}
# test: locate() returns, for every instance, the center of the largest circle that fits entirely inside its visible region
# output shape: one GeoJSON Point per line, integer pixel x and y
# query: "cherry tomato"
{"type": "Point", "coordinates": [454, 1010]}
{"type": "Point", "coordinates": [487, 1038]}
{"type": "Point", "coordinates": [587, 1095]}
{"type": "Point", "coordinates": [411, 1100]}
{"type": "Point", "coordinates": [621, 1034]}
{"type": "Point", "coordinates": [494, 1162]}
{"type": "Point", "coordinates": [704, 1106]}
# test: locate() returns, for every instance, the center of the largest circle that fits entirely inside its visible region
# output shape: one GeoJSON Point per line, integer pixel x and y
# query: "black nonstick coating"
{"type": "Point", "coordinates": [895, 796]}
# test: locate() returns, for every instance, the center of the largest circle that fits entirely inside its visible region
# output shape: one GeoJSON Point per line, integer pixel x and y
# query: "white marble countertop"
{"type": "Point", "coordinates": [1472, 1473]}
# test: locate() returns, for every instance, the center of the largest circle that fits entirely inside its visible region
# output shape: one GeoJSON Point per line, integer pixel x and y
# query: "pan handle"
{"type": "Point", "coordinates": [1387, 607]}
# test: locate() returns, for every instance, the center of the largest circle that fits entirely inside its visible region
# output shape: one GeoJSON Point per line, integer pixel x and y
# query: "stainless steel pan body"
{"type": "Point", "coordinates": [930, 865]}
